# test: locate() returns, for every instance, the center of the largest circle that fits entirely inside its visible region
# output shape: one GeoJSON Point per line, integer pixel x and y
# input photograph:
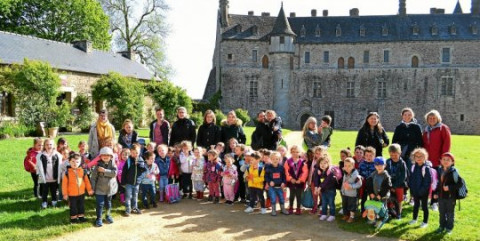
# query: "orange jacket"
{"type": "Point", "coordinates": [302, 174]}
{"type": "Point", "coordinates": [75, 183]}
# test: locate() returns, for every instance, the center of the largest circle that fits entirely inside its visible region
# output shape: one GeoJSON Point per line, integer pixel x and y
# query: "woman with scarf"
{"type": "Point", "coordinates": [102, 134]}
{"type": "Point", "coordinates": [372, 134]}
{"type": "Point", "coordinates": [436, 137]}
{"type": "Point", "coordinates": [408, 134]}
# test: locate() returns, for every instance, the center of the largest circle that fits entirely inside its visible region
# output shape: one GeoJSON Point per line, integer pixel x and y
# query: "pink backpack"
{"type": "Point", "coordinates": [338, 174]}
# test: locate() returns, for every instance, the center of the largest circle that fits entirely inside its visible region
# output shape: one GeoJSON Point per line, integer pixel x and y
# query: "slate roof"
{"type": "Point", "coordinates": [282, 27]}
{"type": "Point", "coordinates": [400, 28]}
{"type": "Point", "coordinates": [63, 56]}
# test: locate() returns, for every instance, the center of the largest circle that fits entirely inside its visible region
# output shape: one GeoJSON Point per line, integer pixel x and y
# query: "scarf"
{"type": "Point", "coordinates": [104, 133]}
{"type": "Point", "coordinates": [429, 129]}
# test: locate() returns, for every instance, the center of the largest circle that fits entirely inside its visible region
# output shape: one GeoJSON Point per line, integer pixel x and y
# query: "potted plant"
{"type": "Point", "coordinates": [57, 116]}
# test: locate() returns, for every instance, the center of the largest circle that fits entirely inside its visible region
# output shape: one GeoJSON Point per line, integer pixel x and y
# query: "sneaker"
{"type": "Point", "coordinates": [82, 219]}
{"type": "Point", "coordinates": [54, 204]}
{"type": "Point", "coordinates": [413, 222]}
{"type": "Point", "coordinates": [263, 210]}
{"type": "Point", "coordinates": [74, 220]}
{"type": "Point", "coordinates": [340, 212]}
{"type": "Point", "coordinates": [290, 211]}
{"type": "Point", "coordinates": [435, 207]}
{"type": "Point", "coordinates": [155, 205]}
{"type": "Point", "coordinates": [210, 198]}
{"type": "Point", "coordinates": [298, 212]}
{"type": "Point", "coordinates": [146, 206]}
{"type": "Point", "coordinates": [313, 211]}
{"type": "Point", "coordinates": [412, 202]}
{"type": "Point", "coordinates": [109, 219]}
{"type": "Point", "coordinates": [439, 230]}
{"type": "Point", "coordinates": [248, 210]}
{"type": "Point", "coordinates": [323, 217]}
{"type": "Point", "coordinates": [274, 212]}
{"type": "Point", "coordinates": [449, 231]}
{"type": "Point", "coordinates": [190, 196]}
{"type": "Point", "coordinates": [423, 225]}
{"type": "Point", "coordinates": [350, 220]}
{"type": "Point", "coordinates": [44, 205]}
{"type": "Point", "coordinates": [127, 214]}
{"type": "Point", "coordinates": [331, 218]}
{"type": "Point", "coordinates": [98, 222]}
{"type": "Point", "coordinates": [137, 211]}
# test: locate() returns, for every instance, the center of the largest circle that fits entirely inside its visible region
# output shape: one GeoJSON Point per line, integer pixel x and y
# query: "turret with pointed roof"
{"type": "Point", "coordinates": [458, 8]}
{"type": "Point", "coordinates": [282, 26]}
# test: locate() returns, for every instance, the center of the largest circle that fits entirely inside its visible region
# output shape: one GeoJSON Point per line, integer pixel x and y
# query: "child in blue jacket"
{"type": "Point", "coordinates": [163, 163]}
{"type": "Point", "coordinates": [276, 180]}
{"type": "Point", "coordinates": [133, 173]}
{"type": "Point", "coordinates": [419, 184]}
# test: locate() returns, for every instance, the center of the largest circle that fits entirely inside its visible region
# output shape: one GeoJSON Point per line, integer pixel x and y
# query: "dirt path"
{"type": "Point", "coordinates": [192, 220]}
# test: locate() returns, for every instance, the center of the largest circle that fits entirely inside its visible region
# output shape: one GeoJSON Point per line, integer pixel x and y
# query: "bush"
{"type": "Point", "coordinates": [85, 116]}
{"type": "Point", "coordinates": [219, 116]}
{"type": "Point", "coordinates": [169, 97]}
{"type": "Point", "coordinates": [197, 117]}
{"type": "Point", "coordinates": [10, 129]}
{"type": "Point", "coordinates": [242, 115]}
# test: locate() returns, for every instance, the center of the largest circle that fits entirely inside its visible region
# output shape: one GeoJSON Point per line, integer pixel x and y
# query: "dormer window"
{"type": "Point", "coordinates": [384, 30]}
{"type": "Point", "coordinates": [453, 29]}
{"type": "Point", "coordinates": [303, 32]}
{"type": "Point", "coordinates": [362, 31]}
{"type": "Point", "coordinates": [338, 31]}
{"type": "Point", "coordinates": [474, 28]}
{"type": "Point", "coordinates": [434, 29]}
{"type": "Point", "coordinates": [415, 29]}
{"type": "Point", "coordinates": [317, 31]}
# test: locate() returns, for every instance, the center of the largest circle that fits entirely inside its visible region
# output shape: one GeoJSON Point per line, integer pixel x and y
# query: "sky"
{"type": "Point", "coordinates": [192, 24]}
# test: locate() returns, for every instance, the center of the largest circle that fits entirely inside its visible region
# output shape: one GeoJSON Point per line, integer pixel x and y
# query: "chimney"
{"type": "Point", "coordinates": [265, 14]}
{"type": "Point", "coordinates": [250, 13]}
{"type": "Point", "coordinates": [475, 10]}
{"type": "Point", "coordinates": [84, 45]}
{"type": "Point", "coordinates": [354, 12]}
{"type": "Point", "coordinates": [314, 12]}
{"type": "Point", "coordinates": [440, 11]}
{"type": "Point", "coordinates": [433, 10]}
{"type": "Point", "coordinates": [293, 14]}
{"type": "Point", "coordinates": [128, 54]}
{"type": "Point", "coordinates": [325, 13]}
{"type": "Point", "coordinates": [402, 8]}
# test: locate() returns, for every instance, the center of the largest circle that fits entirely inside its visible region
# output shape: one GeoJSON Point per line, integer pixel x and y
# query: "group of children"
{"type": "Point", "coordinates": [245, 176]}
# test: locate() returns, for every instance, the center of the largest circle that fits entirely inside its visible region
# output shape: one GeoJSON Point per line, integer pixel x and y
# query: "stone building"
{"type": "Point", "coordinates": [347, 66]}
{"type": "Point", "coordinates": [78, 64]}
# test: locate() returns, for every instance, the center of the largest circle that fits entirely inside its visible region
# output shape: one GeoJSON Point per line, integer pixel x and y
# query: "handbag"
{"type": "Point", "coordinates": [307, 198]}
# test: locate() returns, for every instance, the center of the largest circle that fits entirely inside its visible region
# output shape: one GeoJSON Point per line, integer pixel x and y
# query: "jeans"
{"type": "Point", "coordinates": [273, 193]}
{"type": "Point", "coordinates": [148, 189]}
{"type": "Point", "coordinates": [446, 208]}
{"type": "Point", "coordinates": [328, 201]}
{"type": "Point", "coordinates": [162, 183]}
{"type": "Point", "coordinates": [131, 196]}
{"type": "Point", "coordinates": [416, 206]}
{"type": "Point", "coordinates": [103, 201]}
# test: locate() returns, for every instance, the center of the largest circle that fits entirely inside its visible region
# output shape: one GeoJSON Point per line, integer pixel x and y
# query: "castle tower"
{"type": "Point", "coordinates": [282, 49]}
{"type": "Point", "coordinates": [224, 13]}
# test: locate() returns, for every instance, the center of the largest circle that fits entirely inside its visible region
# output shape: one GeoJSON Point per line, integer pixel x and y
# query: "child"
{"type": "Point", "coordinates": [128, 135]}
{"type": "Point", "coordinates": [419, 184]}
{"type": "Point", "coordinates": [366, 169]}
{"type": "Point", "coordinates": [325, 184]}
{"type": "Point", "coordinates": [318, 152]}
{"type": "Point", "coordinates": [148, 183]}
{"type": "Point", "coordinates": [325, 130]}
{"type": "Point", "coordinates": [379, 183]}
{"type": "Point", "coordinates": [276, 181]}
{"type": "Point", "coordinates": [186, 159]}
{"type": "Point", "coordinates": [232, 143]}
{"type": "Point", "coordinates": [61, 143]}
{"type": "Point", "coordinates": [239, 162]}
{"type": "Point", "coordinates": [163, 164]}
{"type": "Point", "coordinates": [230, 177]}
{"type": "Point", "coordinates": [197, 172]}
{"type": "Point", "coordinates": [173, 171]}
{"type": "Point", "coordinates": [86, 157]}
{"type": "Point", "coordinates": [350, 184]}
{"type": "Point", "coordinates": [256, 178]}
{"type": "Point", "coordinates": [151, 147]}
{"type": "Point", "coordinates": [275, 124]}
{"type": "Point", "coordinates": [397, 170]}
{"type": "Point", "coordinates": [212, 176]}
{"type": "Point", "coordinates": [297, 173]}
{"type": "Point", "coordinates": [30, 163]}
{"type": "Point", "coordinates": [48, 170]}
{"type": "Point", "coordinates": [123, 158]}
{"type": "Point", "coordinates": [75, 182]}
{"type": "Point", "coordinates": [220, 148]}
{"type": "Point", "coordinates": [344, 153]}
{"type": "Point", "coordinates": [283, 152]}
{"type": "Point", "coordinates": [449, 183]}
{"type": "Point", "coordinates": [132, 174]}
{"type": "Point", "coordinates": [105, 184]}
{"type": "Point", "coordinates": [359, 155]}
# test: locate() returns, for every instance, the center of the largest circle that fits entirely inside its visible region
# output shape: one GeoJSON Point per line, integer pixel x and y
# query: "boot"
{"type": "Point", "coordinates": [274, 211]}
{"type": "Point", "coordinates": [198, 195]}
{"type": "Point", "coordinates": [217, 199]}
{"type": "Point", "coordinates": [282, 207]}
{"type": "Point", "coordinates": [161, 197]}
{"type": "Point", "coordinates": [314, 210]}
{"type": "Point", "coordinates": [290, 210]}
{"type": "Point", "coordinates": [298, 212]}
{"type": "Point", "coordinates": [201, 195]}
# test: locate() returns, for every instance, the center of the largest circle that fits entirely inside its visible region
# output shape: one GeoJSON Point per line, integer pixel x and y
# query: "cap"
{"type": "Point", "coordinates": [449, 154]}
{"type": "Point", "coordinates": [379, 160]}
{"type": "Point", "coordinates": [106, 151]}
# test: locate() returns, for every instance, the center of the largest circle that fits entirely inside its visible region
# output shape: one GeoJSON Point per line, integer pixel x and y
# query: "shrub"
{"type": "Point", "coordinates": [197, 117]}
{"type": "Point", "coordinates": [242, 115]}
{"type": "Point", "coordinates": [219, 116]}
{"type": "Point", "coordinates": [10, 129]}
{"type": "Point", "coordinates": [85, 116]}
{"type": "Point", "coordinates": [169, 97]}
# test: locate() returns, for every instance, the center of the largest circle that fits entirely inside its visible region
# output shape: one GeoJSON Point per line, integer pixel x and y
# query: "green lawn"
{"type": "Point", "coordinates": [21, 216]}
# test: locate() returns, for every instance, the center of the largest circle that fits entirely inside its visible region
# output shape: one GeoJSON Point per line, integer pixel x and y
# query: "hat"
{"type": "Point", "coordinates": [449, 154]}
{"type": "Point", "coordinates": [106, 151]}
{"type": "Point", "coordinates": [141, 141]}
{"type": "Point", "coordinates": [379, 160]}
{"type": "Point", "coordinates": [103, 111]}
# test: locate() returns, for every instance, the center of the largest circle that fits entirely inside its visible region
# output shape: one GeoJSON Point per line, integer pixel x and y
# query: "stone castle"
{"type": "Point", "coordinates": [348, 66]}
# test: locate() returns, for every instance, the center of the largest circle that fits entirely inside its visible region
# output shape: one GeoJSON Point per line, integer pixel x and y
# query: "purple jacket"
{"type": "Point", "coordinates": [213, 172]}
{"type": "Point", "coordinates": [324, 179]}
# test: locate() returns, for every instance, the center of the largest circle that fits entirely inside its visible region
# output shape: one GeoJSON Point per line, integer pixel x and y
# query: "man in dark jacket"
{"type": "Point", "coordinates": [183, 129]}
{"type": "Point", "coordinates": [159, 128]}
{"type": "Point", "coordinates": [262, 133]}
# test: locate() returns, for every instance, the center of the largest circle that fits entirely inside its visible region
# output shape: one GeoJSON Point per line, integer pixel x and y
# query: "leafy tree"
{"type": "Point", "coordinates": [124, 97]}
{"type": "Point", "coordinates": [59, 20]}
{"type": "Point", "coordinates": [138, 26]}
{"type": "Point", "coordinates": [169, 97]}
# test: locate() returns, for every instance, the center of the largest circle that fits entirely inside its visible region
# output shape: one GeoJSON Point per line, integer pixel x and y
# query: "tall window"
{"type": "Point", "coordinates": [254, 55]}
{"type": "Point", "coordinates": [326, 57]}
{"type": "Point", "coordinates": [341, 63]}
{"type": "Point", "coordinates": [350, 89]}
{"type": "Point", "coordinates": [282, 39]}
{"type": "Point", "coordinates": [446, 55]}
{"type": "Point", "coordinates": [317, 89]}
{"type": "Point", "coordinates": [265, 62]}
{"type": "Point", "coordinates": [447, 86]}
{"type": "Point", "coordinates": [414, 62]}
{"type": "Point", "coordinates": [253, 89]}
{"type": "Point", "coordinates": [351, 63]}
{"type": "Point", "coordinates": [307, 57]}
{"type": "Point", "coordinates": [229, 57]}
{"type": "Point", "coordinates": [382, 89]}
{"type": "Point", "coordinates": [6, 104]}
{"type": "Point", "coordinates": [386, 56]}
{"type": "Point", "coordinates": [366, 56]}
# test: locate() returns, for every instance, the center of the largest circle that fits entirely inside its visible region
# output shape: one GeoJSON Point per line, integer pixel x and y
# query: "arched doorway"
{"type": "Point", "coordinates": [265, 62]}
{"type": "Point", "coordinates": [414, 62]}
{"type": "Point", "coordinates": [304, 119]}
{"type": "Point", "coordinates": [341, 63]}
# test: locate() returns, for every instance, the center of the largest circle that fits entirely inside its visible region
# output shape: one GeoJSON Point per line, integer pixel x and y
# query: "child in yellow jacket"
{"type": "Point", "coordinates": [256, 178]}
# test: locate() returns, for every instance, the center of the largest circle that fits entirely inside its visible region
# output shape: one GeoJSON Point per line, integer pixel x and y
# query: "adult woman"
{"type": "Point", "coordinates": [436, 137]}
{"type": "Point", "coordinates": [372, 134]}
{"type": "Point", "coordinates": [127, 135]}
{"type": "Point", "coordinates": [183, 129]}
{"type": "Point", "coordinates": [208, 133]}
{"type": "Point", "coordinates": [102, 134]}
{"type": "Point", "coordinates": [408, 134]}
{"type": "Point", "coordinates": [311, 137]}
{"type": "Point", "coordinates": [160, 128]}
{"type": "Point", "coordinates": [232, 128]}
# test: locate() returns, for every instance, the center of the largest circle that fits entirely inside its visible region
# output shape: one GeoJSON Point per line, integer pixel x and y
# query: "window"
{"type": "Point", "coordinates": [362, 31]}
{"type": "Point", "coordinates": [446, 55]}
{"type": "Point", "coordinates": [474, 28]}
{"type": "Point", "coordinates": [415, 29]}
{"type": "Point", "coordinates": [282, 39]}
{"type": "Point", "coordinates": [414, 62]}
{"type": "Point", "coordinates": [384, 30]}
{"type": "Point", "coordinates": [253, 89]}
{"type": "Point", "coordinates": [317, 90]}
{"type": "Point", "coordinates": [326, 57]}
{"type": "Point", "coordinates": [338, 31]}
{"type": "Point", "coordinates": [434, 29]}
{"type": "Point", "coordinates": [341, 63]}
{"type": "Point", "coordinates": [462, 117]}
{"type": "Point", "coordinates": [265, 62]}
{"type": "Point", "coordinates": [230, 57]}
{"type": "Point", "coordinates": [317, 31]}
{"type": "Point", "coordinates": [307, 57]}
{"type": "Point", "coordinates": [254, 55]}
{"type": "Point", "coordinates": [447, 87]}
{"type": "Point", "coordinates": [6, 104]}
{"type": "Point", "coordinates": [386, 56]}
{"type": "Point", "coordinates": [351, 63]}
{"type": "Point", "coordinates": [350, 89]}
{"type": "Point", "coordinates": [382, 89]}
{"type": "Point", "coordinates": [303, 31]}
{"type": "Point", "coordinates": [291, 63]}
{"type": "Point", "coordinates": [366, 56]}
{"type": "Point", "coordinates": [453, 29]}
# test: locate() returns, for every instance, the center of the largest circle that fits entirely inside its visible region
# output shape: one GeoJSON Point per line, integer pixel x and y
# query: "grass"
{"type": "Point", "coordinates": [21, 216]}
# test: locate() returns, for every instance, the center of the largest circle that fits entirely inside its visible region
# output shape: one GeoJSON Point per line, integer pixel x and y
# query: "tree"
{"type": "Point", "coordinates": [124, 97]}
{"type": "Point", "coordinates": [59, 20]}
{"type": "Point", "coordinates": [169, 97]}
{"type": "Point", "coordinates": [139, 31]}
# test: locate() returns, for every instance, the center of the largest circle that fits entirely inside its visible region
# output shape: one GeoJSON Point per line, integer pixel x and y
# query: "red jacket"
{"type": "Point", "coordinates": [30, 160]}
{"type": "Point", "coordinates": [437, 143]}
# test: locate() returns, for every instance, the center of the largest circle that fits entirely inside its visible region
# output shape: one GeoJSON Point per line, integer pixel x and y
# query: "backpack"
{"type": "Point", "coordinates": [433, 176]}
{"type": "Point", "coordinates": [26, 163]}
{"type": "Point", "coordinates": [337, 174]}
{"type": "Point", "coordinates": [84, 171]}
{"type": "Point", "coordinates": [462, 191]}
